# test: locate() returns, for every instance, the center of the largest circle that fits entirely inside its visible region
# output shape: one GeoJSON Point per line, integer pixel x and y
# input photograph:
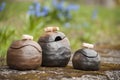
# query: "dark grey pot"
{"type": "Point", "coordinates": [56, 49]}
{"type": "Point", "coordinates": [86, 59]}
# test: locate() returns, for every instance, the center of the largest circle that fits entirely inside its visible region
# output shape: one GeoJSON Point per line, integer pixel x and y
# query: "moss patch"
{"type": "Point", "coordinates": [56, 72]}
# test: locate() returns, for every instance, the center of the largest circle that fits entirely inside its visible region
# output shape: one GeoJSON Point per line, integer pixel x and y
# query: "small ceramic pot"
{"type": "Point", "coordinates": [86, 59]}
{"type": "Point", "coordinates": [24, 54]}
{"type": "Point", "coordinates": [56, 48]}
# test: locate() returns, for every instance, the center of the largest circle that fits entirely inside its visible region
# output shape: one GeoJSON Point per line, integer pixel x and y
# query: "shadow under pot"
{"type": "Point", "coordinates": [86, 59]}
{"type": "Point", "coordinates": [24, 55]}
{"type": "Point", "coordinates": [56, 49]}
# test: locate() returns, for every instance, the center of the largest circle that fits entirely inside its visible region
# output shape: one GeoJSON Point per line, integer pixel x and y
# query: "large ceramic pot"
{"type": "Point", "coordinates": [56, 49]}
{"type": "Point", "coordinates": [24, 54]}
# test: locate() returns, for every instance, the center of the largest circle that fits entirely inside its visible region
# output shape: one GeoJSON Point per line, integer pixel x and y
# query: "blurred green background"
{"type": "Point", "coordinates": [92, 21]}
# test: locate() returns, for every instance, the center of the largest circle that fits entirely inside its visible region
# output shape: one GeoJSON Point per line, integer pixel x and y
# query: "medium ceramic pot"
{"type": "Point", "coordinates": [56, 49]}
{"type": "Point", "coordinates": [86, 59]}
{"type": "Point", "coordinates": [24, 54]}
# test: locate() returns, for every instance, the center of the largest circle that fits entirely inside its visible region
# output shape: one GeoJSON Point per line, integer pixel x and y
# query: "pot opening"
{"type": "Point", "coordinates": [58, 38]}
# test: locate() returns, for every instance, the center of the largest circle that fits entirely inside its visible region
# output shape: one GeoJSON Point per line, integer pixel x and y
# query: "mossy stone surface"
{"type": "Point", "coordinates": [109, 70]}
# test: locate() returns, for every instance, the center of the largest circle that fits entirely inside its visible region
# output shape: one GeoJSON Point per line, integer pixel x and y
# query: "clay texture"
{"type": "Point", "coordinates": [24, 55]}
{"type": "Point", "coordinates": [86, 59]}
{"type": "Point", "coordinates": [56, 49]}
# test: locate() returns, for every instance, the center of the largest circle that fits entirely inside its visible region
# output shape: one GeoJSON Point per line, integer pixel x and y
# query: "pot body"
{"type": "Point", "coordinates": [56, 49]}
{"type": "Point", "coordinates": [24, 55]}
{"type": "Point", "coordinates": [86, 59]}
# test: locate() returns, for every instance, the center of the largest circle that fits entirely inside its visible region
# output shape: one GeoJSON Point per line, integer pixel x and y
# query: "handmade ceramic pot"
{"type": "Point", "coordinates": [86, 59]}
{"type": "Point", "coordinates": [56, 48]}
{"type": "Point", "coordinates": [24, 54]}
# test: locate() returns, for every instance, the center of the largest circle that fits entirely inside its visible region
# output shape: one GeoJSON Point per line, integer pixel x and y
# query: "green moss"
{"type": "Point", "coordinates": [58, 72]}
{"type": "Point", "coordinates": [109, 66]}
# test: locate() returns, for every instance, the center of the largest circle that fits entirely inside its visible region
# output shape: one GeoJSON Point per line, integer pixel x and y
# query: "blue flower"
{"type": "Point", "coordinates": [45, 10]}
{"type": "Point", "coordinates": [58, 5]}
{"type": "Point", "coordinates": [72, 7]}
{"type": "Point", "coordinates": [67, 25]}
{"type": "Point", "coordinates": [31, 7]}
{"type": "Point", "coordinates": [2, 6]}
{"type": "Point", "coordinates": [64, 10]}
{"type": "Point", "coordinates": [37, 6]}
{"type": "Point", "coordinates": [31, 10]}
{"type": "Point", "coordinates": [37, 10]}
{"type": "Point", "coordinates": [38, 14]}
{"type": "Point", "coordinates": [94, 14]}
{"type": "Point", "coordinates": [54, 3]}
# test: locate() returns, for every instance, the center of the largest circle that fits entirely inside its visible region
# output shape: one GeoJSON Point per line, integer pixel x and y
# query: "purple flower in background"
{"type": "Point", "coordinates": [94, 14]}
{"type": "Point", "coordinates": [63, 9]}
{"type": "Point", "coordinates": [2, 6]}
{"type": "Point", "coordinates": [67, 25]}
{"type": "Point", "coordinates": [54, 3]}
{"type": "Point", "coordinates": [72, 7]}
{"type": "Point", "coordinates": [37, 10]}
{"type": "Point", "coordinates": [31, 10]}
{"type": "Point", "coordinates": [38, 14]}
{"type": "Point", "coordinates": [58, 4]}
{"type": "Point", "coordinates": [37, 6]}
{"type": "Point", "coordinates": [45, 10]}
{"type": "Point", "coordinates": [31, 7]}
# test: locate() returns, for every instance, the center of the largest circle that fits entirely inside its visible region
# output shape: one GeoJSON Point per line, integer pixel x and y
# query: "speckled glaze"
{"type": "Point", "coordinates": [56, 49]}
{"type": "Point", "coordinates": [24, 55]}
{"type": "Point", "coordinates": [86, 59]}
